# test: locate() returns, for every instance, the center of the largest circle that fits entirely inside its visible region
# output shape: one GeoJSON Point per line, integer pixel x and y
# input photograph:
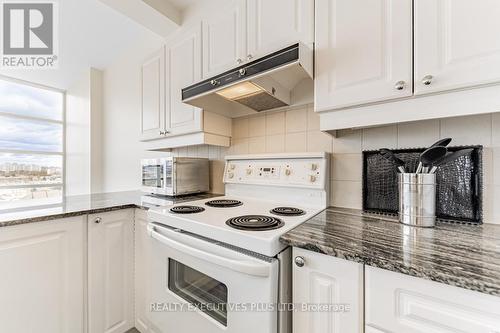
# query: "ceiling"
{"type": "Point", "coordinates": [91, 34]}
{"type": "Point", "coordinates": [183, 4]}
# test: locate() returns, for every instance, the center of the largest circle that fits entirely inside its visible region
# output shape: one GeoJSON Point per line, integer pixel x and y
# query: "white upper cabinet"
{"type": "Point", "coordinates": [275, 24]}
{"type": "Point", "coordinates": [457, 44]}
{"type": "Point", "coordinates": [363, 52]}
{"type": "Point", "coordinates": [249, 29]}
{"type": "Point", "coordinates": [153, 96]}
{"type": "Point", "coordinates": [183, 68]}
{"type": "Point", "coordinates": [224, 39]}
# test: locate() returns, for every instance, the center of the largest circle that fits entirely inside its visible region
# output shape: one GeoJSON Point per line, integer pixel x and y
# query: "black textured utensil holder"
{"type": "Point", "coordinates": [459, 184]}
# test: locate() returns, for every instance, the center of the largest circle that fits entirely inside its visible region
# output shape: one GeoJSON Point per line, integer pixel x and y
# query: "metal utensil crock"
{"type": "Point", "coordinates": [417, 199]}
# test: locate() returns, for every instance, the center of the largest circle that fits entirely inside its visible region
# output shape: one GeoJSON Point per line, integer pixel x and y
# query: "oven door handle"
{"type": "Point", "coordinates": [205, 251]}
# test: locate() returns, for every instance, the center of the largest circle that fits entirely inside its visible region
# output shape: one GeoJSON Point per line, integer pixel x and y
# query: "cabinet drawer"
{"type": "Point", "coordinates": [401, 303]}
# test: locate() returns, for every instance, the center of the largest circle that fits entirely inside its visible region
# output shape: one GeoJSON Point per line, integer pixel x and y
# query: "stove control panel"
{"type": "Point", "coordinates": [302, 172]}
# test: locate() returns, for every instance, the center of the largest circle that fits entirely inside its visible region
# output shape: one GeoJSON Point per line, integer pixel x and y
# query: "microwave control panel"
{"type": "Point", "coordinates": [307, 172]}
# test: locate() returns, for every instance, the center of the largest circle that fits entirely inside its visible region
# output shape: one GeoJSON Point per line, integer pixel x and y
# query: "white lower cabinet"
{"type": "Point", "coordinates": [42, 277]}
{"type": "Point", "coordinates": [326, 281]}
{"type": "Point", "coordinates": [111, 271]}
{"type": "Point", "coordinates": [399, 303]}
{"type": "Point", "coordinates": [142, 273]}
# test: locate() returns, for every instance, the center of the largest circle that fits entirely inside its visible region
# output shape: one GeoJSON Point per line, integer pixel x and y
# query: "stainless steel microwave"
{"type": "Point", "coordinates": [175, 175]}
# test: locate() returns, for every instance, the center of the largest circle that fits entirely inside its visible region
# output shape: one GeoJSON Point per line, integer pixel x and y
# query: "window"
{"type": "Point", "coordinates": [31, 145]}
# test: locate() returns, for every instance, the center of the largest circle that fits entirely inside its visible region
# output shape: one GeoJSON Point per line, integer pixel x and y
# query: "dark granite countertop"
{"type": "Point", "coordinates": [465, 256]}
{"type": "Point", "coordinates": [88, 204]}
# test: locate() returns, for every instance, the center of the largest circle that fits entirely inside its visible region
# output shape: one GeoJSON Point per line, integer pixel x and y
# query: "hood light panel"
{"type": "Point", "coordinates": [240, 90]}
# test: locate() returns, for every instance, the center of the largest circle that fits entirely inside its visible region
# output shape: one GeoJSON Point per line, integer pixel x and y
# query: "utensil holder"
{"type": "Point", "coordinates": [417, 199]}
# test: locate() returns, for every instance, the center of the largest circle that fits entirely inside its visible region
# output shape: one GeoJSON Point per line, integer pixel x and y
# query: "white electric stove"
{"type": "Point", "coordinates": [226, 250]}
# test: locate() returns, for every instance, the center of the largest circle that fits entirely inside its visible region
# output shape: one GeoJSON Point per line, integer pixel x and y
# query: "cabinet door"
{"type": "Point", "coordinates": [153, 96]}
{"type": "Point", "coordinates": [42, 274]}
{"type": "Point", "coordinates": [324, 280]}
{"type": "Point", "coordinates": [457, 43]}
{"type": "Point", "coordinates": [142, 272]}
{"type": "Point", "coordinates": [275, 24]}
{"type": "Point", "coordinates": [363, 52]}
{"type": "Point", "coordinates": [111, 271]}
{"type": "Point", "coordinates": [183, 61]}
{"type": "Point", "coordinates": [400, 303]}
{"type": "Point", "coordinates": [224, 39]}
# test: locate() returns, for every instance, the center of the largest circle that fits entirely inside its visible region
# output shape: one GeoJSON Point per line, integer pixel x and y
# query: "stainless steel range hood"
{"type": "Point", "coordinates": [261, 85]}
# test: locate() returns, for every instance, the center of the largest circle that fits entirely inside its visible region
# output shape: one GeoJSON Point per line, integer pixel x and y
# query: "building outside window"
{"type": "Point", "coordinates": [32, 123]}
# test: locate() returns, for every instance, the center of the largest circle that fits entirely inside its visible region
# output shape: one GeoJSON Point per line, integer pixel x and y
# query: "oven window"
{"type": "Point", "coordinates": [204, 292]}
{"type": "Point", "coordinates": [152, 176]}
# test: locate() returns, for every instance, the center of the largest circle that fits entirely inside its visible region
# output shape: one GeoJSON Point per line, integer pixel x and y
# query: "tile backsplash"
{"type": "Point", "coordinates": [297, 130]}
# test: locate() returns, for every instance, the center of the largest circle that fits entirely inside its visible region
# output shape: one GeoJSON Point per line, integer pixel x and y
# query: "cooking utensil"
{"type": "Point", "coordinates": [450, 157]}
{"type": "Point", "coordinates": [389, 155]}
{"type": "Point", "coordinates": [443, 142]}
{"type": "Point", "coordinates": [430, 156]}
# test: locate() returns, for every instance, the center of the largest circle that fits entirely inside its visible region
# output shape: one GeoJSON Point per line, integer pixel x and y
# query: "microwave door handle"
{"type": "Point", "coordinates": [243, 266]}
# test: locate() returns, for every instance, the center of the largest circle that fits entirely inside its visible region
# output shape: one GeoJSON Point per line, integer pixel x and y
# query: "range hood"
{"type": "Point", "coordinates": [261, 85]}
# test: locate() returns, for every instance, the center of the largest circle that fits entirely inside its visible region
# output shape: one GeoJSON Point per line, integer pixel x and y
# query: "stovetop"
{"type": "Point", "coordinates": [211, 222]}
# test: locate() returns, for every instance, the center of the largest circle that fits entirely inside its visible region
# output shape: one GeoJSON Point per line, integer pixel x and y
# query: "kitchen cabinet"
{"type": "Point", "coordinates": [142, 246]}
{"type": "Point", "coordinates": [367, 73]}
{"type": "Point", "coordinates": [224, 39]}
{"type": "Point", "coordinates": [250, 29]}
{"type": "Point", "coordinates": [153, 96]}
{"type": "Point", "coordinates": [167, 122]}
{"type": "Point", "coordinates": [321, 279]}
{"type": "Point", "coordinates": [363, 52]}
{"type": "Point", "coordinates": [183, 68]}
{"type": "Point", "coordinates": [401, 303]}
{"type": "Point", "coordinates": [456, 44]}
{"type": "Point", "coordinates": [42, 274]}
{"type": "Point", "coordinates": [111, 271]}
{"type": "Point", "coordinates": [273, 25]}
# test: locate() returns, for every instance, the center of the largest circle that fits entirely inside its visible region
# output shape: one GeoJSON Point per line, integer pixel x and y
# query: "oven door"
{"type": "Point", "coordinates": [200, 286]}
{"type": "Point", "coordinates": [157, 176]}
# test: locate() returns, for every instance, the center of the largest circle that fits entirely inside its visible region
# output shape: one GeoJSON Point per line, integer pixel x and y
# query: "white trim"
{"type": "Point", "coordinates": [19, 116]}
{"type": "Point", "coordinates": [31, 84]}
{"type": "Point", "coordinates": [276, 156]}
{"type": "Point", "coordinates": [31, 152]}
{"type": "Point", "coordinates": [480, 100]}
{"type": "Point", "coordinates": [38, 185]}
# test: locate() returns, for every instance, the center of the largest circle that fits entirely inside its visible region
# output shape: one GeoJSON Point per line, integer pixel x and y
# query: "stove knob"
{"type": "Point", "coordinates": [312, 179]}
{"type": "Point", "coordinates": [288, 172]}
{"type": "Point", "coordinates": [232, 166]}
{"type": "Point", "coordinates": [299, 261]}
{"type": "Point", "coordinates": [230, 175]}
{"type": "Point", "coordinates": [249, 171]}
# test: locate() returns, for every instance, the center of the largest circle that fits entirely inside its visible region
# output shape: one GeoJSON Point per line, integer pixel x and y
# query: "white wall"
{"type": "Point", "coordinates": [121, 149]}
{"type": "Point", "coordinates": [78, 136]}
{"type": "Point", "coordinates": [95, 130]}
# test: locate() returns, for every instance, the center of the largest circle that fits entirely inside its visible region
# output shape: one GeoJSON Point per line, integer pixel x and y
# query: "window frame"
{"type": "Point", "coordinates": [62, 153]}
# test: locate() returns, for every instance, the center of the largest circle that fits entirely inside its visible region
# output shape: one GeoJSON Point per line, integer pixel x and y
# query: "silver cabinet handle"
{"type": "Point", "coordinates": [164, 132]}
{"type": "Point", "coordinates": [249, 57]}
{"type": "Point", "coordinates": [427, 80]}
{"type": "Point", "coordinates": [239, 61]}
{"type": "Point", "coordinates": [400, 85]}
{"type": "Point", "coordinates": [299, 261]}
{"type": "Point", "coordinates": [97, 220]}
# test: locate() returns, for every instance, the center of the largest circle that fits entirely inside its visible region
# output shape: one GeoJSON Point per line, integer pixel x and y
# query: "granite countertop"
{"type": "Point", "coordinates": [465, 256]}
{"type": "Point", "coordinates": [88, 204]}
